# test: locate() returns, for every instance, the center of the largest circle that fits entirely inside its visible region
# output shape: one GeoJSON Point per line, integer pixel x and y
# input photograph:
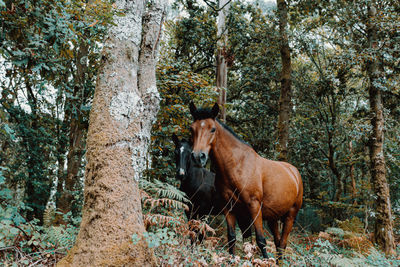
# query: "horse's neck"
{"type": "Point", "coordinates": [223, 149]}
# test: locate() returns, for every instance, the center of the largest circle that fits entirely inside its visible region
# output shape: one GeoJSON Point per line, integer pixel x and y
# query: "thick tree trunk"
{"type": "Point", "coordinates": [285, 97]}
{"type": "Point", "coordinates": [222, 65]}
{"type": "Point", "coordinates": [125, 104]}
{"type": "Point", "coordinates": [384, 222]}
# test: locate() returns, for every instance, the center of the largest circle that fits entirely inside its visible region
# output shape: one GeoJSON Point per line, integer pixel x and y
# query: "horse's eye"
{"type": "Point", "coordinates": [213, 130]}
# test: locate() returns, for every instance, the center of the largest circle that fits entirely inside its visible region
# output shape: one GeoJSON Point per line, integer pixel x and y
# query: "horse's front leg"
{"type": "Point", "coordinates": [256, 214]}
{"type": "Point", "coordinates": [231, 223]}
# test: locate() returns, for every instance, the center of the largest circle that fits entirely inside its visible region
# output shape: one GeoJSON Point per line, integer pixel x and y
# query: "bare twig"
{"type": "Point", "coordinates": [213, 7]}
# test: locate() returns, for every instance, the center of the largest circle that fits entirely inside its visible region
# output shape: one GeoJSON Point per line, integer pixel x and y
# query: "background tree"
{"type": "Point", "coordinates": [222, 54]}
{"type": "Point", "coordinates": [384, 222]}
{"type": "Point", "coordinates": [286, 80]}
{"type": "Point", "coordinates": [355, 38]}
{"type": "Point", "coordinates": [124, 106]}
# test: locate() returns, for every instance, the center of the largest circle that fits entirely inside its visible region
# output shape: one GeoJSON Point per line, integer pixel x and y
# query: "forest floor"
{"type": "Point", "coordinates": [32, 245]}
{"type": "Point", "coordinates": [333, 247]}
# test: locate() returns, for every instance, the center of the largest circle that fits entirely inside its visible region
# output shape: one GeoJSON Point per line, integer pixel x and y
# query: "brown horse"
{"type": "Point", "coordinates": [250, 185]}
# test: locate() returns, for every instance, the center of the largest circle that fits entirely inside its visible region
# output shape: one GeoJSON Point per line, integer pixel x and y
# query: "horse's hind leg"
{"type": "Point", "coordinates": [287, 228]}
{"type": "Point", "coordinates": [274, 227]}
{"type": "Point", "coordinates": [231, 223]}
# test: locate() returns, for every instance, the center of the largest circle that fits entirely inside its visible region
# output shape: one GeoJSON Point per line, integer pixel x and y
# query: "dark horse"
{"type": "Point", "coordinates": [249, 184]}
{"type": "Point", "coordinates": [198, 184]}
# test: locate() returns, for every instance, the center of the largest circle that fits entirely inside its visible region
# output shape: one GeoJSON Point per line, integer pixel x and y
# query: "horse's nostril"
{"type": "Point", "coordinates": [203, 156]}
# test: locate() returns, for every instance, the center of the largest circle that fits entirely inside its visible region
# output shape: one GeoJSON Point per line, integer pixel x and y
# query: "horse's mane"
{"type": "Point", "coordinates": [206, 113]}
{"type": "Point", "coordinates": [229, 129]}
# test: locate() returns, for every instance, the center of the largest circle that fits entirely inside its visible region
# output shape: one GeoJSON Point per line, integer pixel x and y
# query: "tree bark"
{"type": "Point", "coordinates": [384, 222]}
{"type": "Point", "coordinates": [334, 169]}
{"type": "Point", "coordinates": [124, 107]}
{"type": "Point", "coordinates": [352, 175]}
{"type": "Point", "coordinates": [222, 65]}
{"type": "Point", "coordinates": [285, 96]}
{"type": "Point", "coordinates": [74, 161]}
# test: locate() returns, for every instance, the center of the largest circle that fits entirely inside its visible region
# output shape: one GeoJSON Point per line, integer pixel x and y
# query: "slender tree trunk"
{"type": "Point", "coordinates": [222, 65]}
{"type": "Point", "coordinates": [334, 169]}
{"type": "Point", "coordinates": [60, 174]}
{"type": "Point", "coordinates": [384, 222]}
{"type": "Point", "coordinates": [38, 185]}
{"type": "Point", "coordinates": [124, 107]}
{"type": "Point", "coordinates": [285, 97]}
{"type": "Point", "coordinates": [76, 134]}
{"type": "Point", "coordinates": [74, 161]}
{"type": "Point", "coordinates": [313, 183]}
{"type": "Point", "coordinates": [352, 175]}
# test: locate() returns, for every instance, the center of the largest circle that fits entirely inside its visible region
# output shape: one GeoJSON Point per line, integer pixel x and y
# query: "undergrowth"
{"type": "Point", "coordinates": [27, 243]}
{"type": "Point", "coordinates": [170, 236]}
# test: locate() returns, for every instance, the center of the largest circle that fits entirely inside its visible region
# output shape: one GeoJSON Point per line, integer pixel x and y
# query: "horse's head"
{"type": "Point", "coordinates": [183, 151]}
{"type": "Point", "coordinates": [203, 132]}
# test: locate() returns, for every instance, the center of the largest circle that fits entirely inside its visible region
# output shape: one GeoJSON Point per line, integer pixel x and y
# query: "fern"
{"type": "Point", "coordinates": [61, 236]}
{"type": "Point", "coordinates": [165, 202]}
{"type": "Point", "coordinates": [163, 190]}
{"type": "Point", "coordinates": [49, 215]}
{"type": "Point", "coordinates": [161, 220]}
{"type": "Point", "coordinates": [163, 205]}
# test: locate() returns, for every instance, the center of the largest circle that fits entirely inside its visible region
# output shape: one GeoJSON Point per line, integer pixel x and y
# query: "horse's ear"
{"type": "Point", "coordinates": [192, 109]}
{"type": "Point", "coordinates": [175, 139]}
{"type": "Point", "coordinates": [215, 110]}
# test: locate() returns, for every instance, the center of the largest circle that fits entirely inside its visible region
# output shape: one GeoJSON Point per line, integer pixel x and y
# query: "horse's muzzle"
{"type": "Point", "coordinates": [200, 158]}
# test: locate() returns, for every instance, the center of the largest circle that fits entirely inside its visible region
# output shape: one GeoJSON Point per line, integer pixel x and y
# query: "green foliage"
{"type": "Point", "coordinates": [160, 237]}
{"type": "Point", "coordinates": [253, 91]}
{"type": "Point", "coordinates": [27, 242]}
{"type": "Point", "coordinates": [49, 54]}
{"type": "Point", "coordinates": [325, 253]}
{"type": "Point", "coordinates": [195, 37]}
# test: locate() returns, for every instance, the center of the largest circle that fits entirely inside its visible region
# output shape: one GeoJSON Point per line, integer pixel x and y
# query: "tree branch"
{"type": "Point", "coordinates": [213, 7]}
